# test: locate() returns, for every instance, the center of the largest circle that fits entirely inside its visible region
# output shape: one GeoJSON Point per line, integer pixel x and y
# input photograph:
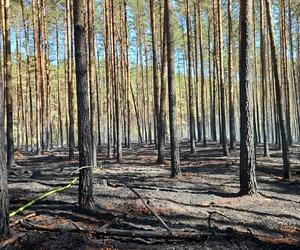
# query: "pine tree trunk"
{"type": "Point", "coordinates": [154, 66]}
{"type": "Point", "coordinates": [59, 112]}
{"type": "Point", "coordinates": [28, 80]}
{"type": "Point", "coordinates": [107, 76]}
{"type": "Point", "coordinates": [294, 77]}
{"type": "Point", "coordinates": [70, 80]}
{"type": "Point", "coordinates": [284, 71]}
{"type": "Point", "coordinates": [203, 88]}
{"type": "Point", "coordinates": [222, 84]}
{"type": "Point", "coordinates": [8, 87]}
{"type": "Point", "coordinates": [116, 91]}
{"type": "Point", "coordinates": [4, 218]}
{"type": "Point", "coordinates": [175, 161]}
{"type": "Point", "coordinates": [230, 81]}
{"type": "Point", "coordinates": [248, 183]}
{"type": "Point", "coordinates": [92, 77]}
{"type": "Point", "coordinates": [191, 96]}
{"type": "Point", "coordinates": [128, 78]}
{"type": "Point", "coordinates": [196, 71]}
{"type": "Point", "coordinates": [279, 99]}
{"type": "Point", "coordinates": [162, 112]}
{"type": "Point", "coordinates": [84, 125]}
{"type": "Point", "coordinates": [37, 77]}
{"type": "Point", "coordinates": [215, 77]}
{"type": "Point", "coordinates": [263, 80]}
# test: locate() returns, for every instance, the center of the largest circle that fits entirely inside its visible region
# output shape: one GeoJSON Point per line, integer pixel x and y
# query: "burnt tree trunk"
{"type": "Point", "coordinates": [263, 81]}
{"type": "Point", "coordinates": [247, 154]}
{"type": "Point", "coordinates": [279, 98]}
{"type": "Point", "coordinates": [4, 219]}
{"type": "Point", "coordinates": [8, 87]}
{"type": "Point", "coordinates": [222, 84]}
{"type": "Point", "coordinates": [230, 82]}
{"type": "Point", "coordinates": [70, 80]}
{"type": "Point", "coordinates": [191, 98]}
{"type": "Point", "coordinates": [84, 115]}
{"type": "Point", "coordinates": [175, 161]}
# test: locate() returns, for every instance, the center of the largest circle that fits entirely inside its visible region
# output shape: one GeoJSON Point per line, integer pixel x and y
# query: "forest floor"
{"type": "Point", "coordinates": [209, 183]}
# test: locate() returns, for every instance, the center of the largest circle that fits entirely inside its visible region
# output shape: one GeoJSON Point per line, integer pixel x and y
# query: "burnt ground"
{"type": "Point", "coordinates": [209, 183]}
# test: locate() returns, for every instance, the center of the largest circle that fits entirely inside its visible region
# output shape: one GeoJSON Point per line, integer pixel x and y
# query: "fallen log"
{"type": "Point", "coordinates": [105, 231]}
{"type": "Point", "coordinates": [54, 228]}
{"type": "Point", "coordinates": [25, 218]}
{"type": "Point", "coordinates": [175, 235]}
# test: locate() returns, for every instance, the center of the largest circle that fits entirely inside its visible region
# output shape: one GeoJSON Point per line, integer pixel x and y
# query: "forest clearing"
{"type": "Point", "coordinates": [147, 124]}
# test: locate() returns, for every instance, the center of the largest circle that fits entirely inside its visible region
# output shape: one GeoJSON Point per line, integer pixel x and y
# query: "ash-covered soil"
{"type": "Point", "coordinates": [207, 189]}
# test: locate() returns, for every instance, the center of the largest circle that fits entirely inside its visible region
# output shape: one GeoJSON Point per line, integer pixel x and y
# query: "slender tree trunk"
{"type": "Point", "coordinates": [70, 80]}
{"type": "Point", "coordinates": [263, 80]}
{"type": "Point", "coordinates": [92, 76]}
{"type": "Point", "coordinates": [230, 81]}
{"type": "Point", "coordinates": [116, 85]}
{"type": "Point", "coordinates": [175, 158]}
{"type": "Point", "coordinates": [203, 89]}
{"type": "Point", "coordinates": [8, 87]}
{"type": "Point", "coordinates": [99, 100]}
{"type": "Point", "coordinates": [128, 79]}
{"type": "Point", "coordinates": [284, 73]}
{"type": "Point", "coordinates": [19, 97]}
{"type": "Point", "coordinates": [84, 126]}
{"type": "Point", "coordinates": [4, 218]}
{"type": "Point", "coordinates": [59, 113]}
{"type": "Point", "coordinates": [191, 98]}
{"type": "Point", "coordinates": [42, 72]}
{"type": "Point", "coordinates": [222, 84]}
{"type": "Point", "coordinates": [162, 112]}
{"type": "Point", "coordinates": [294, 75]}
{"type": "Point", "coordinates": [279, 99]}
{"type": "Point", "coordinates": [37, 77]}
{"type": "Point", "coordinates": [107, 76]}
{"type": "Point", "coordinates": [28, 78]}
{"type": "Point", "coordinates": [154, 66]}
{"type": "Point", "coordinates": [196, 70]}
{"type": "Point", "coordinates": [215, 76]}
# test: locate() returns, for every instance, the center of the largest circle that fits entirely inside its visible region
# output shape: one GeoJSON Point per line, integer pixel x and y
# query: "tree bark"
{"type": "Point", "coordinates": [84, 115]}
{"type": "Point", "coordinates": [70, 80]}
{"type": "Point", "coordinates": [263, 80]}
{"type": "Point", "coordinates": [155, 75]}
{"type": "Point", "coordinates": [37, 77]}
{"type": "Point", "coordinates": [4, 218]}
{"type": "Point", "coordinates": [162, 112]}
{"type": "Point", "coordinates": [247, 148]}
{"type": "Point", "coordinates": [222, 84]}
{"type": "Point", "coordinates": [191, 96]}
{"type": "Point", "coordinates": [92, 76]}
{"type": "Point", "coordinates": [8, 86]}
{"type": "Point", "coordinates": [203, 88]}
{"type": "Point", "coordinates": [279, 99]}
{"type": "Point", "coordinates": [230, 81]}
{"type": "Point", "coordinates": [175, 161]}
